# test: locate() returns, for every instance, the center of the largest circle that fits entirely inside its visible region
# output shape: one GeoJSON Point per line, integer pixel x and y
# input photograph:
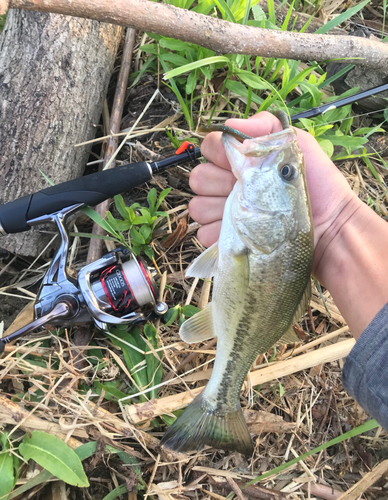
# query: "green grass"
{"type": "Point", "coordinates": [266, 83]}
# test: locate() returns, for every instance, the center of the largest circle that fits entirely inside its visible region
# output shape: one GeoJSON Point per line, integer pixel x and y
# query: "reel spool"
{"type": "Point", "coordinates": [122, 288]}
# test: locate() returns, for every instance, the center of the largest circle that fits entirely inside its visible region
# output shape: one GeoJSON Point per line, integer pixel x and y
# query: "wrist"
{"type": "Point", "coordinates": [351, 263]}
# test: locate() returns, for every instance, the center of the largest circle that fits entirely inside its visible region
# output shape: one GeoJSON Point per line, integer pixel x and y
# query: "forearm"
{"type": "Point", "coordinates": [352, 264]}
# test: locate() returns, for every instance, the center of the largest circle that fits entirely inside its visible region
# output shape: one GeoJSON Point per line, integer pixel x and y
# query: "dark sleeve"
{"type": "Point", "coordinates": [365, 374]}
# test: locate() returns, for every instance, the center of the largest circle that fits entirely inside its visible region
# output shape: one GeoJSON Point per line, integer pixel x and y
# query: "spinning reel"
{"type": "Point", "coordinates": [118, 288]}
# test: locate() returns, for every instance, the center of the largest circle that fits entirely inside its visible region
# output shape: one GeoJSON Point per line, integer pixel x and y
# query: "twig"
{"type": "Point", "coordinates": [322, 491]}
{"type": "Point", "coordinates": [190, 358]}
{"type": "Point", "coordinates": [221, 36]}
{"type": "Point", "coordinates": [370, 478]}
{"type": "Point", "coordinates": [234, 486]}
{"type": "Point", "coordinates": [96, 245]}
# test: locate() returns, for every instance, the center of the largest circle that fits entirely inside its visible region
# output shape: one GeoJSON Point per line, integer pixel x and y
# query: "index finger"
{"type": "Point", "coordinates": [263, 123]}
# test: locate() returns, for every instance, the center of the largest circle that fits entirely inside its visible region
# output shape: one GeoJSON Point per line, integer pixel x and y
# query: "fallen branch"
{"type": "Point", "coordinates": [151, 409]}
{"type": "Point", "coordinates": [12, 413]}
{"type": "Point", "coordinates": [221, 36]}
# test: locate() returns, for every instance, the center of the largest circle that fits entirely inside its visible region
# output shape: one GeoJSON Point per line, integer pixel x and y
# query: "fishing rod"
{"type": "Point", "coordinates": [339, 103]}
{"type": "Point", "coordinates": [119, 288]}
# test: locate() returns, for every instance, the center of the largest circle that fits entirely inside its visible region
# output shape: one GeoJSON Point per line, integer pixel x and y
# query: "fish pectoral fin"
{"type": "Point", "coordinates": [201, 425]}
{"type": "Point", "coordinates": [199, 327]}
{"type": "Point", "coordinates": [205, 265]}
{"type": "Point", "coordinates": [290, 337]}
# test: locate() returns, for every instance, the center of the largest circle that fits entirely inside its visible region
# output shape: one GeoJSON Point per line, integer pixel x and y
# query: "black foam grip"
{"type": "Point", "coordinates": [90, 190]}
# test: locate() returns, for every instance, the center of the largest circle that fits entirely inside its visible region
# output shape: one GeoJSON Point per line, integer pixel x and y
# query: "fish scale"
{"type": "Point", "coordinates": [261, 267]}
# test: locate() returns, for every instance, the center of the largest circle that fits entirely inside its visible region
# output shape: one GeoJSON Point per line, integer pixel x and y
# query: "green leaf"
{"type": "Point", "coordinates": [96, 236]}
{"type": "Point", "coordinates": [120, 206]}
{"type": "Point", "coordinates": [111, 391]}
{"type": "Point", "coordinates": [313, 91]}
{"type": "Point", "coordinates": [145, 231]}
{"type": "Point", "coordinates": [130, 344]}
{"type": "Point", "coordinates": [151, 198]}
{"type": "Point", "coordinates": [120, 490]}
{"type": "Point", "coordinates": [84, 451]}
{"type": "Point", "coordinates": [175, 59]}
{"type": "Point", "coordinates": [327, 146]}
{"type": "Point", "coordinates": [149, 252]}
{"type": "Point", "coordinates": [162, 196]}
{"type": "Point", "coordinates": [341, 18]}
{"type": "Point", "coordinates": [96, 217]}
{"type": "Point", "coordinates": [7, 477]}
{"type": "Point", "coordinates": [194, 65]}
{"type": "Point", "coordinates": [136, 249]}
{"type": "Point", "coordinates": [346, 141]}
{"type": "Point", "coordinates": [225, 10]}
{"type": "Point", "coordinates": [55, 456]}
{"type": "Point", "coordinates": [191, 82]}
{"type": "Point", "coordinates": [171, 315]}
{"type": "Point", "coordinates": [253, 80]}
{"type": "Point", "coordinates": [190, 310]}
{"type": "Point", "coordinates": [258, 13]}
{"type": "Point", "coordinates": [136, 237]}
{"type": "Point", "coordinates": [48, 180]}
{"type": "Point", "coordinates": [147, 215]}
{"type": "Point", "coordinates": [173, 44]}
{"type": "Point", "coordinates": [372, 424]}
{"type": "Point", "coordinates": [140, 219]}
{"type": "Point", "coordinates": [369, 164]}
{"type": "Point", "coordinates": [240, 89]}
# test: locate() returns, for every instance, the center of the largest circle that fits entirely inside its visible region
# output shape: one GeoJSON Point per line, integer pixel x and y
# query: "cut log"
{"type": "Point", "coordinates": [54, 75]}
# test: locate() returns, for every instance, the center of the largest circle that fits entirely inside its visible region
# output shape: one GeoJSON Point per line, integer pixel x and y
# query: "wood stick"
{"type": "Point", "coordinates": [151, 409]}
{"type": "Point", "coordinates": [96, 245]}
{"type": "Point", "coordinates": [363, 484]}
{"type": "Point", "coordinates": [221, 36]}
{"type": "Point", "coordinates": [319, 340]}
{"type": "Point", "coordinates": [12, 413]}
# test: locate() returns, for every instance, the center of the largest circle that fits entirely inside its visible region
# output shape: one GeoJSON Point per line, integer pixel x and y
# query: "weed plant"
{"type": "Point", "coordinates": [260, 83]}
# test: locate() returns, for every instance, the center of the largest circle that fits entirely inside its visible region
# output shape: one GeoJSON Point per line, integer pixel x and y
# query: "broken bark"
{"type": "Point", "coordinates": [220, 36]}
{"type": "Point", "coordinates": [54, 74]}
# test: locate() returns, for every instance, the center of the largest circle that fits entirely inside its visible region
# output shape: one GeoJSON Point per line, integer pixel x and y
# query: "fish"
{"type": "Point", "coordinates": [261, 269]}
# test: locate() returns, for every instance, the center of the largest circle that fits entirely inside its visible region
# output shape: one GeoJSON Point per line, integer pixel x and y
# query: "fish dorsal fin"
{"type": "Point", "coordinates": [205, 265]}
{"type": "Point", "coordinates": [199, 327]}
{"type": "Point", "coordinates": [290, 337]}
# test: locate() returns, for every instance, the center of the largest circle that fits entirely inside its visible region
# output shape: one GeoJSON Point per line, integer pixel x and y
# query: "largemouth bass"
{"type": "Point", "coordinates": [261, 266]}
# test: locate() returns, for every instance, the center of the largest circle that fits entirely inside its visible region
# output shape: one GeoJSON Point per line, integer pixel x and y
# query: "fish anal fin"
{"type": "Point", "coordinates": [199, 327]}
{"type": "Point", "coordinates": [205, 265]}
{"type": "Point", "coordinates": [199, 425]}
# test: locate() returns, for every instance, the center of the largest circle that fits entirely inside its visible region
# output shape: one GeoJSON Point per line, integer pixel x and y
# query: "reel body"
{"type": "Point", "coordinates": [117, 289]}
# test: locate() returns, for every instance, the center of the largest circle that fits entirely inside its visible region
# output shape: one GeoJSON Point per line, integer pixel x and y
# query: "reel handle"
{"type": "Point", "coordinates": [61, 310]}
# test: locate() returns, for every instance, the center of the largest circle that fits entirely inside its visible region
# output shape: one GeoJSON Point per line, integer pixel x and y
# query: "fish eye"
{"type": "Point", "coordinates": [288, 172]}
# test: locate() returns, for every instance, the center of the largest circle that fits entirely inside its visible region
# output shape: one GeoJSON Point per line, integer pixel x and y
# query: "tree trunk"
{"type": "Point", "coordinates": [54, 74]}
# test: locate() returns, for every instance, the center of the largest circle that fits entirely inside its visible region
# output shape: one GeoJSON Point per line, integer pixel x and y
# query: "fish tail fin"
{"type": "Point", "coordinates": [199, 425]}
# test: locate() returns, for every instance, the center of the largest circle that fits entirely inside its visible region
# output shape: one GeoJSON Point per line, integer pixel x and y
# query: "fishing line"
{"type": "Point", "coordinates": [341, 119]}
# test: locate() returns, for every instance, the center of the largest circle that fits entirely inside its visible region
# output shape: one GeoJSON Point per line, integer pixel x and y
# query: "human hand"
{"type": "Point", "coordinates": [332, 200]}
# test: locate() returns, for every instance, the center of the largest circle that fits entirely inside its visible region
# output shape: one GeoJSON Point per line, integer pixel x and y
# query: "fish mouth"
{"type": "Point", "coordinates": [260, 146]}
